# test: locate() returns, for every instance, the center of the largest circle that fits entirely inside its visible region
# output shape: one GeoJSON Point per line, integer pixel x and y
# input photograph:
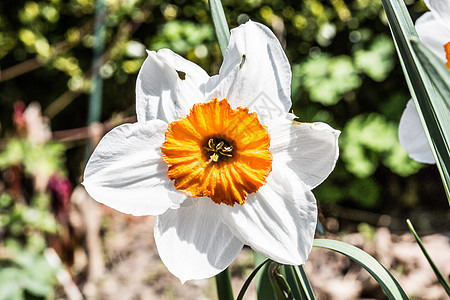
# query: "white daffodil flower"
{"type": "Point", "coordinates": [218, 160]}
{"type": "Point", "coordinates": [433, 29]}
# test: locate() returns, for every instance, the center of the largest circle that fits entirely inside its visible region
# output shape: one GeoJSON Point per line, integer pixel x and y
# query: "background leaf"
{"type": "Point", "coordinates": [220, 24]}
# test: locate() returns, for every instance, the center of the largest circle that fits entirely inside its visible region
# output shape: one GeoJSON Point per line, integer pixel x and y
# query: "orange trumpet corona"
{"type": "Point", "coordinates": [447, 54]}
{"type": "Point", "coordinates": [218, 152]}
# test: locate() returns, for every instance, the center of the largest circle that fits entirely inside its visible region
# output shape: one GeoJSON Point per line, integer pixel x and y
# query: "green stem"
{"type": "Point", "coordinates": [95, 98]}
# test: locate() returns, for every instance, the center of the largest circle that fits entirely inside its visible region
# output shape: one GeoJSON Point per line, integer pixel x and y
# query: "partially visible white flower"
{"type": "Point", "coordinates": [412, 136]}
{"type": "Point", "coordinates": [433, 29]}
{"type": "Point", "coordinates": [218, 160]}
{"type": "Point", "coordinates": [135, 49]}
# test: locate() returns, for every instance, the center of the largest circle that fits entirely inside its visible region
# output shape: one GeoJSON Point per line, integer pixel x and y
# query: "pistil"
{"type": "Point", "coordinates": [219, 149]}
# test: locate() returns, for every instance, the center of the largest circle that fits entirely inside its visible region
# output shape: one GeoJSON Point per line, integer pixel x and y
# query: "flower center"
{"type": "Point", "coordinates": [447, 54]}
{"type": "Point", "coordinates": [218, 152]}
{"type": "Point", "coordinates": [218, 149]}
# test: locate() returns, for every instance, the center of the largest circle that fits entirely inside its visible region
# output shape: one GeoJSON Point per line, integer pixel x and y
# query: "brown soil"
{"type": "Point", "coordinates": [133, 270]}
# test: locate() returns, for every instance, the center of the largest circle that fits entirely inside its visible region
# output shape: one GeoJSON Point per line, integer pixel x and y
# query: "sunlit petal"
{"type": "Point", "coordinates": [412, 136]}
{"type": "Point", "coordinates": [309, 149]}
{"type": "Point", "coordinates": [441, 10]}
{"type": "Point", "coordinates": [167, 86]}
{"type": "Point", "coordinates": [433, 34]}
{"type": "Point", "coordinates": [126, 171]}
{"type": "Point", "coordinates": [279, 221]}
{"type": "Point", "coordinates": [193, 242]}
{"type": "Point", "coordinates": [255, 73]}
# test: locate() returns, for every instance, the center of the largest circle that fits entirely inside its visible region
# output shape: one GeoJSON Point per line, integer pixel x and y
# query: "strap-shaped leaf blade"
{"type": "Point", "coordinates": [438, 273]}
{"type": "Point", "coordinates": [430, 106]}
{"type": "Point", "coordinates": [302, 283]}
{"type": "Point", "coordinates": [220, 24]}
{"type": "Point", "coordinates": [223, 285]}
{"type": "Point", "coordinates": [264, 288]}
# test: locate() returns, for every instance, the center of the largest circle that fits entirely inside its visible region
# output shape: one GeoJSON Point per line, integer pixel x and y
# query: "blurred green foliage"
{"type": "Point", "coordinates": [24, 271]}
{"type": "Point", "coordinates": [345, 73]}
{"type": "Point", "coordinates": [327, 79]}
{"type": "Point", "coordinates": [43, 159]}
{"type": "Point", "coordinates": [369, 139]}
{"type": "Point", "coordinates": [26, 218]}
{"type": "Point", "coordinates": [27, 276]}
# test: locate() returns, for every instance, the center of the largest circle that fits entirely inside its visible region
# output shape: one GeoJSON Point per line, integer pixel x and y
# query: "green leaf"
{"type": "Point", "coordinates": [293, 283]}
{"type": "Point", "coordinates": [223, 284]}
{"type": "Point", "coordinates": [249, 279]}
{"type": "Point", "coordinates": [263, 286]}
{"type": "Point", "coordinates": [429, 104]}
{"type": "Point", "coordinates": [264, 280]}
{"type": "Point", "coordinates": [438, 273]}
{"type": "Point", "coordinates": [303, 283]}
{"type": "Point", "coordinates": [390, 286]}
{"type": "Point", "coordinates": [220, 24]}
{"type": "Point", "coordinates": [279, 284]}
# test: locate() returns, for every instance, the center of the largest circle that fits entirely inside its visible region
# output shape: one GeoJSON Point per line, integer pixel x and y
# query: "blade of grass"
{"type": "Point", "coordinates": [438, 273]}
{"type": "Point", "coordinates": [220, 24]}
{"type": "Point", "coordinates": [430, 107]}
{"type": "Point", "coordinates": [223, 284]}
{"type": "Point", "coordinates": [390, 286]}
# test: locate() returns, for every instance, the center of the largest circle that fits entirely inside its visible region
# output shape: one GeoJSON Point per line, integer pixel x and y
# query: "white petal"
{"type": "Point", "coordinates": [441, 10]}
{"type": "Point", "coordinates": [309, 149]}
{"type": "Point", "coordinates": [193, 242]}
{"type": "Point", "coordinates": [161, 91]}
{"type": "Point", "coordinates": [279, 220]}
{"type": "Point", "coordinates": [126, 171]}
{"type": "Point", "coordinates": [433, 34]}
{"type": "Point", "coordinates": [262, 80]}
{"type": "Point", "coordinates": [412, 136]}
